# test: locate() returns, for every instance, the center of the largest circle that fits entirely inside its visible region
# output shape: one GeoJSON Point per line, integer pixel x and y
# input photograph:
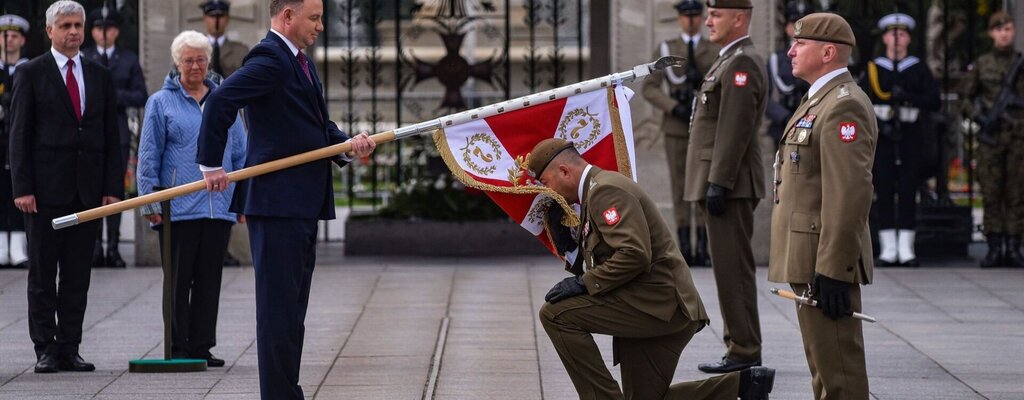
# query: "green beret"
{"type": "Point", "coordinates": [543, 153]}
{"type": "Point", "coordinates": [826, 27]}
{"type": "Point", "coordinates": [730, 4]}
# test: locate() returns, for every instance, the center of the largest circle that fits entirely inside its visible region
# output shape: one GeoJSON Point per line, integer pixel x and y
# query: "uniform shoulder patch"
{"type": "Point", "coordinates": [740, 79]}
{"type": "Point", "coordinates": [847, 132]}
{"type": "Point", "coordinates": [843, 92]}
{"type": "Point", "coordinates": [611, 216]}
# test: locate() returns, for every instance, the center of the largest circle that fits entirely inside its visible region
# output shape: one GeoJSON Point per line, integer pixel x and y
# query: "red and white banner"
{"type": "Point", "coordinates": [490, 154]}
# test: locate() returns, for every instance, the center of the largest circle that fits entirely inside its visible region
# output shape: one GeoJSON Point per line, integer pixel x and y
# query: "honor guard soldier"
{"type": "Point", "coordinates": [724, 173]}
{"type": "Point", "coordinates": [13, 242]}
{"type": "Point", "coordinates": [632, 284]}
{"type": "Point", "coordinates": [676, 105]}
{"type": "Point", "coordinates": [227, 54]}
{"type": "Point", "coordinates": [124, 67]}
{"type": "Point", "coordinates": [787, 90]}
{"type": "Point", "coordinates": [903, 92]}
{"type": "Point", "coordinates": [1000, 142]}
{"type": "Point", "coordinates": [821, 244]}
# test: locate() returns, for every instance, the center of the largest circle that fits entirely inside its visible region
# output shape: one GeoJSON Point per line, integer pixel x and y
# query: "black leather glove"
{"type": "Point", "coordinates": [716, 199]}
{"type": "Point", "coordinates": [898, 95]}
{"type": "Point", "coordinates": [681, 111]}
{"type": "Point", "coordinates": [568, 287]}
{"type": "Point", "coordinates": [833, 296]}
{"type": "Point", "coordinates": [561, 236]}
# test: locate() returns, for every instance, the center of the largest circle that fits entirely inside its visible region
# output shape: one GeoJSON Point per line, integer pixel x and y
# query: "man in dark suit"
{"type": "Point", "coordinates": [283, 96]}
{"type": "Point", "coordinates": [131, 92]}
{"type": "Point", "coordinates": [65, 157]}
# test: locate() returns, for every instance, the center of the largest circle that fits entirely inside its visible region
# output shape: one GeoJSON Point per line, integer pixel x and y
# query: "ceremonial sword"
{"type": "Point", "coordinates": [808, 301]}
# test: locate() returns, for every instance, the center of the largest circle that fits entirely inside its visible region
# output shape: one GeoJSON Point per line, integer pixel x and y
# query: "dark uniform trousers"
{"type": "Point", "coordinates": [900, 182]}
{"type": "Point", "coordinates": [56, 311]}
{"type": "Point", "coordinates": [647, 348]}
{"type": "Point", "coordinates": [834, 350]}
{"type": "Point", "coordinates": [729, 237]}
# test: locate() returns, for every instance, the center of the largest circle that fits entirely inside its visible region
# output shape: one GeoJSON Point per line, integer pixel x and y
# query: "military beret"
{"type": "Point", "coordinates": [543, 153]}
{"type": "Point", "coordinates": [730, 4]}
{"type": "Point", "coordinates": [215, 8]}
{"type": "Point", "coordinates": [896, 21]}
{"type": "Point", "coordinates": [11, 22]}
{"type": "Point", "coordinates": [112, 18]}
{"type": "Point", "coordinates": [826, 27]}
{"type": "Point", "coordinates": [689, 7]}
{"type": "Point", "coordinates": [796, 10]}
{"type": "Point", "coordinates": [998, 19]}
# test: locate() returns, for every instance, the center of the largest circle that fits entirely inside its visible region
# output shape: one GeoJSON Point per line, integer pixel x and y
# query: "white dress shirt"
{"type": "Point", "coordinates": [820, 83]}
{"type": "Point", "coordinates": [62, 65]}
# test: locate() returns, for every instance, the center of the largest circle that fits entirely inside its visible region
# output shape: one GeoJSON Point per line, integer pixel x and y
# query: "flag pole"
{"type": "Point", "coordinates": [421, 128]}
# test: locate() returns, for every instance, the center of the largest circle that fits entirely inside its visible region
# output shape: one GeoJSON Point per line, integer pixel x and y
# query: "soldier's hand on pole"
{"type": "Point", "coordinates": [833, 296]}
{"type": "Point", "coordinates": [216, 181]}
{"type": "Point", "coordinates": [568, 287]}
{"type": "Point", "coordinates": [681, 111]}
{"type": "Point", "coordinates": [716, 199]}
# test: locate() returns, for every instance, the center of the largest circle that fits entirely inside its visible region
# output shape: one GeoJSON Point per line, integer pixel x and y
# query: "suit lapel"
{"type": "Point", "coordinates": [91, 78]}
{"type": "Point", "coordinates": [58, 82]}
{"type": "Point", "coordinates": [297, 71]}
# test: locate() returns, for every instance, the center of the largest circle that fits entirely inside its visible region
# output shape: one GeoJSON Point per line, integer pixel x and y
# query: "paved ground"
{"type": "Point", "coordinates": [467, 329]}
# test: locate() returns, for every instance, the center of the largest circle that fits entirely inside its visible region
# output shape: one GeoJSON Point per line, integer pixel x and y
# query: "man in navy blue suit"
{"type": "Point", "coordinates": [279, 87]}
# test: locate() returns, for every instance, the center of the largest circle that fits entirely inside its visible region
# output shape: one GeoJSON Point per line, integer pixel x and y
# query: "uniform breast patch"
{"type": "Point", "coordinates": [611, 216]}
{"type": "Point", "coordinates": [806, 122]}
{"type": "Point", "coordinates": [847, 132]}
{"type": "Point", "coordinates": [740, 79]}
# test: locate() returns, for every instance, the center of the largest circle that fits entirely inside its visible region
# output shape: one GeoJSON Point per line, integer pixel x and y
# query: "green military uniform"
{"type": "Point", "coordinates": [232, 54]}
{"type": "Point", "coordinates": [639, 290]}
{"type": "Point", "coordinates": [677, 130]}
{"type": "Point", "coordinates": [820, 219]}
{"type": "Point", "coordinates": [724, 150]}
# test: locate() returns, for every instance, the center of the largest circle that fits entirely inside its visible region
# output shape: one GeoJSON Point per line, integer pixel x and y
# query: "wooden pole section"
{"type": "Point", "coordinates": [235, 176]}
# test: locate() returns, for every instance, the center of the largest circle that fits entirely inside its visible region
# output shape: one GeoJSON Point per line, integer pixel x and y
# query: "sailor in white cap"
{"type": "Point", "coordinates": [903, 91]}
{"type": "Point", "coordinates": [14, 29]}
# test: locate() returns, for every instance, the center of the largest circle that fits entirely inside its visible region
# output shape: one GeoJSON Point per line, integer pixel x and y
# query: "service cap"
{"type": "Point", "coordinates": [11, 22]}
{"type": "Point", "coordinates": [97, 19]}
{"type": "Point", "coordinates": [689, 7]}
{"type": "Point", "coordinates": [998, 19]}
{"type": "Point", "coordinates": [896, 21]}
{"type": "Point", "coordinates": [730, 4]}
{"type": "Point", "coordinates": [215, 8]}
{"type": "Point", "coordinates": [826, 27]}
{"type": "Point", "coordinates": [796, 10]}
{"type": "Point", "coordinates": [543, 153]}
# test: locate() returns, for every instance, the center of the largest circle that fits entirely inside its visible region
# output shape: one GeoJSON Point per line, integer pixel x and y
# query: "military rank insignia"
{"type": "Point", "coordinates": [611, 216]}
{"type": "Point", "coordinates": [740, 79]}
{"type": "Point", "coordinates": [847, 132]}
{"type": "Point", "coordinates": [806, 122]}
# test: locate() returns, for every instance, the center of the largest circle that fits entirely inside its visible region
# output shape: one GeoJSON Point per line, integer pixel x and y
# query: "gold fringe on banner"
{"type": "Point", "coordinates": [621, 147]}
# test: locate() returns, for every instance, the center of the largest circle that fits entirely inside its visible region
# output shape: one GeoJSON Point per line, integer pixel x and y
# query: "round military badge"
{"type": "Point", "coordinates": [801, 135]}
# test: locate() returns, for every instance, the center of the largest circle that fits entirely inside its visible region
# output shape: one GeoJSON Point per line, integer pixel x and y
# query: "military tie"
{"type": "Point", "coordinates": [690, 58]}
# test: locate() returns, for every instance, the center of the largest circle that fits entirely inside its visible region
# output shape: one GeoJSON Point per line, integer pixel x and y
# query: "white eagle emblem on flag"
{"type": "Point", "coordinates": [847, 132]}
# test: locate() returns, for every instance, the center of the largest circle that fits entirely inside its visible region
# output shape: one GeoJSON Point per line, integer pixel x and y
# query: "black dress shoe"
{"type": "Point", "coordinates": [212, 361]}
{"type": "Point", "coordinates": [726, 365]}
{"type": "Point", "coordinates": [75, 363]}
{"type": "Point", "coordinates": [758, 384]}
{"type": "Point", "coordinates": [46, 364]}
{"type": "Point", "coordinates": [114, 259]}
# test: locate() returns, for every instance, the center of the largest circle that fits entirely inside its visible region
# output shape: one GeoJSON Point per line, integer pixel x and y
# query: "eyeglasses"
{"type": "Point", "coordinates": [200, 62]}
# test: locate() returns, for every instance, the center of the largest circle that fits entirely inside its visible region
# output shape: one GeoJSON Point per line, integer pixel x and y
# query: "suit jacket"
{"type": "Point", "coordinates": [629, 251]}
{"type": "Point", "coordinates": [232, 55]}
{"type": "Point", "coordinates": [128, 80]}
{"type": "Point", "coordinates": [820, 222]}
{"type": "Point", "coordinates": [723, 146]}
{"type": "Point", "coordinates": [705, 53]}
{"type": "Point", "coordinates": [53, 155]}
{"type": "Point", "coordinates": [287, 115]}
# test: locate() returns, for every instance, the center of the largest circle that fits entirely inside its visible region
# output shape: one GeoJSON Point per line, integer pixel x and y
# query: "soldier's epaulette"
{"type": "Point", "coordinates": [843, 91]}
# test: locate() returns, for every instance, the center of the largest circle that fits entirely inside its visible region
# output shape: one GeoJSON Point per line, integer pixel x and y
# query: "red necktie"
{"type": "Point", "coordinates": [304, 63]}
{"type": "Point", "coordinates": [76, 99]}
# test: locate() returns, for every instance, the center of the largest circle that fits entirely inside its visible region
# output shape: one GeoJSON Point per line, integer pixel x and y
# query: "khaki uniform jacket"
{"type": "Point", "coordinates": [820, 222]}
{"type": "Point", "coordinates": [723, 145]}
{"type": "Point", "coordinates": [232, 54]}
{"type": "Point", "coordinates": [630, 253]}
{"type": "Point", "coordinates": [675, 78]}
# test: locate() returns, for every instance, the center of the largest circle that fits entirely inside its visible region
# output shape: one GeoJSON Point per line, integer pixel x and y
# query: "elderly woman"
{"type": "Point", "coordinates": [200, 221]}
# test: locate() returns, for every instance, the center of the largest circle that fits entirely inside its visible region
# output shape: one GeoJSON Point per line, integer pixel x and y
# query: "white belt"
{"type": "Point", "coordinates": [884, 112]}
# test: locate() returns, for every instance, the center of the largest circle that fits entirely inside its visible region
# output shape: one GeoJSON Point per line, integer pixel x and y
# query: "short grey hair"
{"type": "Point", "coordinates": [191, 39]}
{"type": "Point", "coordinates": [63, 8]}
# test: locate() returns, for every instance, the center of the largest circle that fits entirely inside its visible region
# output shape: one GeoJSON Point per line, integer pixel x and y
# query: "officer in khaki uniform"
{"type": "Point", "coordinates": [227, 54]}
{"type": "Point", "coordinates": [677, 104]}
{"type": "Point", "coordinates": [635, 287]}
{"type": "Point", "coordinates": [820, 236]}
{"type": "Point", "coordinates": [726, 176]}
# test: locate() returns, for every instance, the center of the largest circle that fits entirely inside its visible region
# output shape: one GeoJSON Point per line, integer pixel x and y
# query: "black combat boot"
{"type": "Point", "coordinates": [1011, 253]}
{"type": "Point", "coordinates": [701, 256]}
{"type": "Point", "coordinates": [684, 244]}
{"type": "Point", "coordinates": [994, 258]}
